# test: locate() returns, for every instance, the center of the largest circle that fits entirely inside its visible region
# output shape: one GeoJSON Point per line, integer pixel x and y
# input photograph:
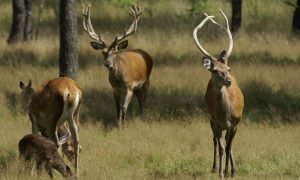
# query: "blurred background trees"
{"type": "Point", "coordinates": [21, 28]}
{"type": "Point", "coordinates": [296, 19]}
{"type": "Point", "coordinates": [236, 15]}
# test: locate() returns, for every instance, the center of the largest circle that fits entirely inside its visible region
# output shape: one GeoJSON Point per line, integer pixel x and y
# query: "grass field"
{"type": "Point", "coordinates": [173, 139]}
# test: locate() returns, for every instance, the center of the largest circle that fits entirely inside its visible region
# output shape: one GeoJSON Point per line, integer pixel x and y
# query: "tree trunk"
{"type": "Point", "coordinates": [68, 57]}
{"type": "Point", "coordinates": [17, 29]}
{"type": "Point", "coordinates": [21, 29]}
{"type": "Point", "coordinates": [296, 19]}
{"type": "Point", "coordinates": [236, 15]}
{"type": "Point", "coordinates": [28, 20]}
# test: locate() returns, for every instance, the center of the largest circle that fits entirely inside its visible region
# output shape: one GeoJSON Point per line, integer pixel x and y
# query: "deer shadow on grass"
{"type": "Point", "coordinates": [262, 102]}
{"type": "Point", "coordinates": [176, 103]}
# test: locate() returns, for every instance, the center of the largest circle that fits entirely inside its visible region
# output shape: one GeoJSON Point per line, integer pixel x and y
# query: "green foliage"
{"type": "Point", "coordinates": [122, 2]}
{"type": "Point", "coordinates": [198, 7]}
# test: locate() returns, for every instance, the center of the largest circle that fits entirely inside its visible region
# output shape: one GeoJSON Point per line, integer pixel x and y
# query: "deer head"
{"type": "Point", "coordinates": [118, 43]}
{"type": "Point", "coordinates": [26, 94]}
{"type": "Point", "coordinates": [217, 66]}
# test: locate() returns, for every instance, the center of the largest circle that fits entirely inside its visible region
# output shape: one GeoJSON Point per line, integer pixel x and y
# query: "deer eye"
{"type": "Point", "coordinates": [229, 70]}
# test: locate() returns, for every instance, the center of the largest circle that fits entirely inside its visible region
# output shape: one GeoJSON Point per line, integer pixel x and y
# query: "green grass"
{"type": "Point", "coordinates": [173, 139]}
{"type": "Point", "coordinates": [155, 150]}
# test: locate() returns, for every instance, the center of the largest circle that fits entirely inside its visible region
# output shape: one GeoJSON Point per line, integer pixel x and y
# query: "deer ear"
{"type": "Point", "coordinates": [122, 44]}
{"type": "Point", "coordinates": [222, 57]}
{"type": "Point", "coordinates": [207, 63]}
{"type": "Point", "coordinates": [22, 85]}
{"type": "Point", "coordinates": [29, 83]}
{"type": "Point", "coordinates": [97, 45]}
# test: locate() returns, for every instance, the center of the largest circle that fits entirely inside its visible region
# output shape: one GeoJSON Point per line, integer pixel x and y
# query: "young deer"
{"type": "Point", "coordinates": [55, 102]}
{"type": "Point", "coordinates": [224, 99]}
{"type": "Point", "coordinates": [129, 70]}
{"type": "Point", "coordinates": [37, 148]}
{"type": "Point", "coordinates": [63, 130]}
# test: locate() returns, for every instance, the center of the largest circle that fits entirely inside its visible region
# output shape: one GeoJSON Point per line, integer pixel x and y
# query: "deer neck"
{"type": "Point", "coordinates": [222, 97]}
{"type": "Point", "coordinates": [116, 73]}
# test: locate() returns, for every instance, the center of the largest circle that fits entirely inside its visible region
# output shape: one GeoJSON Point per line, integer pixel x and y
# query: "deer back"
{"type": "Point", "coordinates": [47, 102]}
{"type": "Point", "coordinates": [136, 63]}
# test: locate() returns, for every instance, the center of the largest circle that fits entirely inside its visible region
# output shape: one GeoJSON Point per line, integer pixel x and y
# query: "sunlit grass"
{"type": "Point", "coordinates": [173, 139]}
{"type": "Point", "coordinates": [165, 150]}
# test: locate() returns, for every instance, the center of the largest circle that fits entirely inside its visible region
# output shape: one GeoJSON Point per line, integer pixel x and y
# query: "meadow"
{"type": "Point", "coordinates": [173, 139]}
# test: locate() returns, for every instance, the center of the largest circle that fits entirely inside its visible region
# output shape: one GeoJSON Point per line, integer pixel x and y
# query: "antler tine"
{"type": "Point", "coordinates": [197, 41]}
{"type": "Point", "coordinates": [227, 30]}
{"type": "Point", "coordinates": [87, 24]}
{"type": "Point", "coordinates": [228, 53]}
{"type": "Point", "coordinates": [213, 21]}
{"type": "Point", "coordinates": [135, 13]}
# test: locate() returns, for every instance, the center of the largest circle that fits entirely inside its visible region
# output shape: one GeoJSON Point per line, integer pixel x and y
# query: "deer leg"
{"type": "Point", "coordinates": [138, 94]}
{"type": "Point", "coordinates": [126, 102]}
{"type": "Point", "coordinates": [214, 167]}
{"type": "Point", "coordinates": [75, 137]}
{"type": "Point", "coordinates": [229, 151]}
{"type": "Point", "coordinates": [141, 95]}
{"type": "Point", "coordinates": [34, 126]}
{"type": "Point", "coordinates": [52, 134]}
{"type": "Point", "coordinates": [227, 136]}
{"type": "Point", "coordinates": [118, 105]}
{"type": "Point", "coordinates": [221, 152]}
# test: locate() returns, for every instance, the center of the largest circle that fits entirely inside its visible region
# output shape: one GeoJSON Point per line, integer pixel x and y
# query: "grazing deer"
{"type": "Point", "coordinates": [55, 102]}
{"type": "Point", "coordinates": [224, 99]}
{"type": "Point", "coordinates": [63, 130]}
{"type": "Point", "coordinates": [37, 148]}
{"type": "Point", "coordinates": [129, 70]}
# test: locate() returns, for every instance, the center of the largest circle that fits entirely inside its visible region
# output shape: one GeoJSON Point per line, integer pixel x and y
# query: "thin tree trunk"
{"type": "Point", "coordinates": [28, 20]}
{"type": "Point", "coordinates": [17, 29]}
{"type": "Point", "coordinates": [68, 57]}
{"type": "Point", "coordinates": [37, 28]}
{"type": "Point", "coordinates": [236, 15]}
{"type": "Point", "coordinates": [296, 19]}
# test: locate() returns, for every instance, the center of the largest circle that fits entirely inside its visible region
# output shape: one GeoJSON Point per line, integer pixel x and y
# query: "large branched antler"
{"type": "Point", "coordinates": [197, 41]}
{"type": "Point", "coordinates": [226, 29]}
{"type": "Point", "coordinates": [87, 25]}
{"type": "Point", "coordinates": [136, 12]}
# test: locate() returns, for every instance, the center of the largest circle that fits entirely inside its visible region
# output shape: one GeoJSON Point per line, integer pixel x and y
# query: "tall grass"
{"type": "Point", "coordinates": [153, 150]}
{"type": "Point", "coordinates": [173, 139]}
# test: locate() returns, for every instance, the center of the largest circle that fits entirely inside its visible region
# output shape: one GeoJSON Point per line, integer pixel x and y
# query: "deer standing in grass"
{"type": "Point", "coordinates": [41, 150]}
{"type": "Point", "coordinates": [63, 130]}
{"type": "Point", "coordinates": [129, 70]}
{"type": "Point", "coordinates": [52, 104]}
{"type": "Point", "coordinates": [224, 99]}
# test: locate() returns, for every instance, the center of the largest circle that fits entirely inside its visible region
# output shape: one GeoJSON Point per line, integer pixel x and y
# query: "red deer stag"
{"type": "Point", "coordinates": [224, 99]}
{"type": "Point", "coordinates": [55, 102]}
{"type": "Point", "coordinates": [129, 70]}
